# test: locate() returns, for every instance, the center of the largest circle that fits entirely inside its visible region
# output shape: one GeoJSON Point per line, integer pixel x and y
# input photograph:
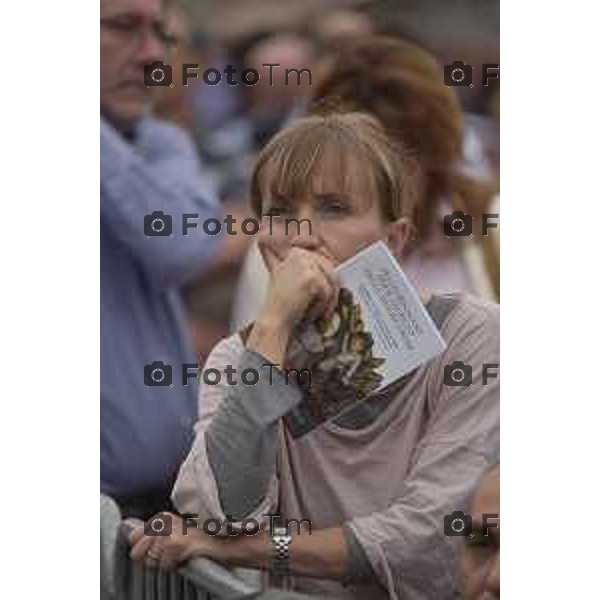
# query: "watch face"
{"type": "Point", "coordinates": [280, 532]}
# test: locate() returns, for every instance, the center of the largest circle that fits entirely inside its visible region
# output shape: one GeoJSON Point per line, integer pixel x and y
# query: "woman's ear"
{"type": "Point", "coordinates": [399, 235]}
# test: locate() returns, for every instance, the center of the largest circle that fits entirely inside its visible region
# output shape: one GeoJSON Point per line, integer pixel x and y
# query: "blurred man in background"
{"type": "Point", "coordinates": [481, 554]}
{"type": "Point", "coordinates": [147, 165]}
{"type": "Point", "coordinates": [274, 100]}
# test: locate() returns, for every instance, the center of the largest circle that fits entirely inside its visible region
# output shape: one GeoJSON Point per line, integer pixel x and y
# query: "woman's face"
{"type": "Point", "coordinates": [333, 219]}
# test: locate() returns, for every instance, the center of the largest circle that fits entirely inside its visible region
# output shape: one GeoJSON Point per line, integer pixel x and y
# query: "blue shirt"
{"type": "Point", "coordinates": [147, 431]}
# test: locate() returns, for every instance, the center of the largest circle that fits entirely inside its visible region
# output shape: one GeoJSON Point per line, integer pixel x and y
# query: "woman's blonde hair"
{"type": "Point", "coordinates": [346, 141]}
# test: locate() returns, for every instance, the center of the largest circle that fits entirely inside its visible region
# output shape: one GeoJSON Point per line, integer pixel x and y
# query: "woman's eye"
{"type": "Point", "coordinates": [278, 210]}
{"type": "Point", "coordinates": [335, 207]}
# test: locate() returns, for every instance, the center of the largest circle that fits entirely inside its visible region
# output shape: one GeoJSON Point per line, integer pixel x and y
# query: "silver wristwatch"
{"type": "Point", "coordinates": [281, 542]}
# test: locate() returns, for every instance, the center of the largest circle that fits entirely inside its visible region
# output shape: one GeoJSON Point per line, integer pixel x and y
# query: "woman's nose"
{"type": "Point", "coordinates": [303, 231]}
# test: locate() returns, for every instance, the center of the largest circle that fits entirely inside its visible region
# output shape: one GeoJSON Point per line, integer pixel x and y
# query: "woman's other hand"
{"type": "Point", "coordinates": [169, 551]}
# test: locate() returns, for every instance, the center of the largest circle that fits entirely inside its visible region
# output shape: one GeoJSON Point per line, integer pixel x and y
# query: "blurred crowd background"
{"type": "Point", "coordinates": [230, 124]}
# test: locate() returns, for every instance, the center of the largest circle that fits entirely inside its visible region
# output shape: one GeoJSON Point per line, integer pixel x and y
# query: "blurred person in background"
{"type": "Point", "coordinates": [402, 85]}
{"type": "Point", "coordinates": [339, 25]}
{"type": "Point", "coordinates": [231, 123]}
{"type": "Point", "coordinates": [270, 106]}
{"type": "Point", "coordinates": [209, 295]}
{"type": "Point", "coordinates": [263, 108]}
{"type": "Point", "coordinates": [170, 102]}
{"type": "Point", "coordinates": [202, 109]}
{"type": "Point", "coordinates": [482, 139]}
{"type": "Point", "coordinates": [493, 116]}
{"type": "Point", "coordinates": [146, 165]}
{"type": "Point", "coordinates": [481, 552]}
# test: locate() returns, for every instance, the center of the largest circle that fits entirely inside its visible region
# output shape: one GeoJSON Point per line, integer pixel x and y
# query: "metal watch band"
{"type": "Point", "coordinates": [281, 542]}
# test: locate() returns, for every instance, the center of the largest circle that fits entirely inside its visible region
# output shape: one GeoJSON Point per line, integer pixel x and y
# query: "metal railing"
{"type": "Point", "coordinates": [124, 579]}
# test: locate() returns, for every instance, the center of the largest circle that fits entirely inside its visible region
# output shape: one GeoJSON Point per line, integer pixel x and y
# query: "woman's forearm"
{"type": "Point", "coordinates": [242, 439]}
{"type": "Point", "coordinates": [321, 553]}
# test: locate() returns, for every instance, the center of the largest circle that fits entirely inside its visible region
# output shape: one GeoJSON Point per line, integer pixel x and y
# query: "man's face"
{"type": "Point", "coordinates": [481, 554]}
{"type": "Point", "coordinates": [132, 34]}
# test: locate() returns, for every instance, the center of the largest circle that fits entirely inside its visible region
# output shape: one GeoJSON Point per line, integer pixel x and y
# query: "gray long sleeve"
{"type": "Point", "coordinates": [358, 568]}
{"type": "Point", "coordinates": [241, 441]}
{"type": "Point", "coordinates": [241, 444]}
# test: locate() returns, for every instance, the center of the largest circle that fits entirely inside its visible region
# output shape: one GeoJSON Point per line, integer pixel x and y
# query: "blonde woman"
{"type": "Point", "coordinates": [376, 482]}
